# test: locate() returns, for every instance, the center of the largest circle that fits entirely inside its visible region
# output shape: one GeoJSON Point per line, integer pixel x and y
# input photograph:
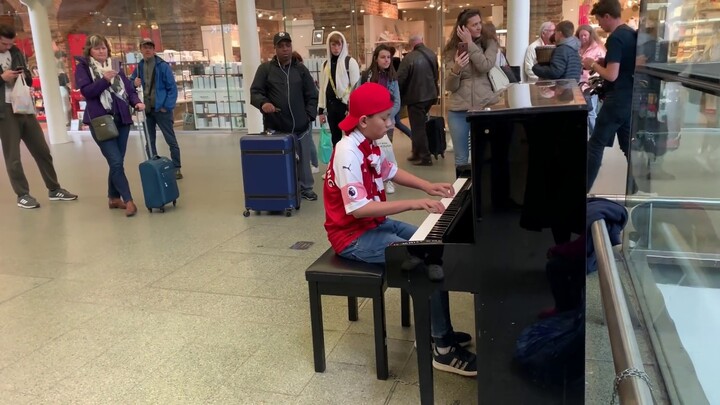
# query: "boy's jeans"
{"type": "Point", "coordinates": [370, 248]}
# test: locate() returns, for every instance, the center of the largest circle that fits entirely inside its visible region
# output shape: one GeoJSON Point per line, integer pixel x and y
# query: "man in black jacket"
{"type": "Point", "coordinates": [418, 80]}
{"type": "Point", "coordinates": [285, 92]}
{"type": "Point", "coordinates": [565, 62]}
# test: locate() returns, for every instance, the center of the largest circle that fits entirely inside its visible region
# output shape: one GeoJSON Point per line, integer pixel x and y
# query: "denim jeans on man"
{"type": "Point", "coordinates": [370, 248]}
{"type": "Point", "coordinates": [305, 146]}
{"type": "Point", "coordinates": [165, 121]}
{"type": "Point", "coordinates": [614, 118]}
{"type": "Point", "coordinates": [114, 152]}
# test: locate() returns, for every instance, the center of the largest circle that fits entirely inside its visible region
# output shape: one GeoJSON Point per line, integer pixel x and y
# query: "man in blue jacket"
{"type": "Point", "coordinates": [160, 95]}
{"type": "Point", "coordinates": [565, 62]}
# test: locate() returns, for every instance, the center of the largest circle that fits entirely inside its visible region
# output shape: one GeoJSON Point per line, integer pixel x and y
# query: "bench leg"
{"type": "Point", "coordinates": [352, 309]}
{"type": "Point", "coordinates": [404, 308]}
{"type": "Point", "coordinates": [381, 356]}
{"type": "Point", "coordinates": [316, 321]}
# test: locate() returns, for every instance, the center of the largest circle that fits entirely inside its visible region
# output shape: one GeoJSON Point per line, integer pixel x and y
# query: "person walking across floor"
{"type": "Point", "coordinates": [284, 91]}
{"type": "Point", "coordinates": [107, 91]}
{"type": "Point", "coordinates": [565, 62]}
{"type": "Point", "coordinates": [546, 34]}
{"type": "Point", "coordinates": [418, 79]}
{"type": "Point", "coordinates": [160, 95]}
{"type": "Point", "coordinates": [617, 70]}
{"type": "Point", "coordinates": [356, 212]}
{"type": "Point", "coordinates": [590, 47]}
{"type": "Point", "coordinates": [15, 128]}
{"type": "Point", "coordinates": [339, 75]}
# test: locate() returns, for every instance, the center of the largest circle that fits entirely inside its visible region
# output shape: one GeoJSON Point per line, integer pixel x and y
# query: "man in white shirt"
{"type": "Point", "coordinates": [547, 31]}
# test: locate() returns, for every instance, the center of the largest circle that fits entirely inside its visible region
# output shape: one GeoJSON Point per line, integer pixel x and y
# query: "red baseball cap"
{"type": "Point", "coordinates": [370, 98]}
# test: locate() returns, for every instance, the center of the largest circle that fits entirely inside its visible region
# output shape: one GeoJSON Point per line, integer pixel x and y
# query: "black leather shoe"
{"type": "Point", "coordinates": [309, 195]}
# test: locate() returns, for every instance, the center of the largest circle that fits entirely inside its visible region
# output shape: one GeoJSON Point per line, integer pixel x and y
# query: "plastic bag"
{"type": "Point", "coordinates": [325, 147]}
{"type": "Point", "coordinates": [387, 148]}
{"type": "Point", "coordinates": [21, 98]}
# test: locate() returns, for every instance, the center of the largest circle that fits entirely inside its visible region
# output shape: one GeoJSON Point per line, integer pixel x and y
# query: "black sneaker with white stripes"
{"type": "Point", "coordinates": [27, 201]}
{"type": "Point", "coordinates": [61, 195]}
{"type": "Point", "coordinates": [457, 360]}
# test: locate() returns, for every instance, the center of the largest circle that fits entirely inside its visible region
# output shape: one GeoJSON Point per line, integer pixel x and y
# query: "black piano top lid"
{"type": "Point", "coordinates": [541, 96]}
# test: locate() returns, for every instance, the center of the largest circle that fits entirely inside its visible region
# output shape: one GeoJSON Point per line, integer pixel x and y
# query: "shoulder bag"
{"type": "Point", "coordinates": [498, 80]}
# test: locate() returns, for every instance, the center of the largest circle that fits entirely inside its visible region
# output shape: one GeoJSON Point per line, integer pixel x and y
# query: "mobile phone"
{"type": "Point", "coordinates": [462, 47]}
{"type": "Point", "coordinates": [116, 65]}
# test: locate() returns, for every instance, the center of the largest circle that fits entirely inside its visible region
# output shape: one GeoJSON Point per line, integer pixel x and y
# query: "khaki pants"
{"type": "Point", "coordinates": [20, 127]}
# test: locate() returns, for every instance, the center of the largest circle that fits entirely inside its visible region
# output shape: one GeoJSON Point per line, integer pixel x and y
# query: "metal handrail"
{"type": "Point", "coordinates": [699, 202]}
{"type": "Point", "coordinates": [625, 351]}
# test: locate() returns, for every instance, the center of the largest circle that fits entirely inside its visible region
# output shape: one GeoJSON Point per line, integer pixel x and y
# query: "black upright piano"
{"type": "Point", "coordinates": [497, 251]}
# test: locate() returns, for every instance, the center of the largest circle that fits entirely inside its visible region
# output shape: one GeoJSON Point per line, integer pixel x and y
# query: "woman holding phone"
{"type": "Point", "coordinates": [470, 56]}
{"type": "Point", "coordinates": [108, 91]}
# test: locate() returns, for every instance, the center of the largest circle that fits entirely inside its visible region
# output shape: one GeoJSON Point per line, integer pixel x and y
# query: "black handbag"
{"type": "Point", "coordinates": [104, 127]}
{"type": "Point", "coordinates": [595, 86]}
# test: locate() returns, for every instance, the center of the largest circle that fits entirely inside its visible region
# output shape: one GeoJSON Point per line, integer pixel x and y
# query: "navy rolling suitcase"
{"type": "Point", "coordinates": [435, 130]}
{"type": "Point", "coordinates": [270, 173]}
{"type": "Point", "coordinates": [157, 175]}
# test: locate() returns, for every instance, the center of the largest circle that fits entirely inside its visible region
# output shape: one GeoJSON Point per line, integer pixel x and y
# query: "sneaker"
{"type": "Point", "coordinates": [314, 169]}
{"type": "Point", "coordinates": [27, 201]}
{"type": "Point", "coordinates": [178, 174]}
{"type": "Point", "coordinates": [457, 360]}
{"type": "Point", "coordinates": [61, 195]}
{"type": "Point", "coordinates": [389, 187]}
{"type": "Point", "coordinates": [309, 195]}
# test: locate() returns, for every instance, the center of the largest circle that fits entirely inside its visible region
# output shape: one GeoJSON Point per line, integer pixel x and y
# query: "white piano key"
{"type": "Point", "coordinates": [432, 219]}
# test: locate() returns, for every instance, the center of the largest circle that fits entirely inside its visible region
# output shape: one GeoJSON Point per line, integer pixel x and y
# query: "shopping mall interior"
{"type": "Point", "coordinates": [199, 304]}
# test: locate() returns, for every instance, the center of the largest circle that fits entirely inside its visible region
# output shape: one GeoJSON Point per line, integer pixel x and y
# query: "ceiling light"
{"type": "Point", "coordinates": [284, 17]}
{"type": "Point", "coordinates": [259, 15]}
{"type": "Point", "coordinates": [362, 10]}
{"type": "Point", "coordinates": [347, 26]}
{"type": "Point", "coordinates": [295, 19]}
{"type": "Point", "coordinates": [270, 18]}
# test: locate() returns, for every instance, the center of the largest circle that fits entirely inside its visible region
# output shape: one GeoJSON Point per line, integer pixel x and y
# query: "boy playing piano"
{"type": "Point", "coordinates": [356, 210]}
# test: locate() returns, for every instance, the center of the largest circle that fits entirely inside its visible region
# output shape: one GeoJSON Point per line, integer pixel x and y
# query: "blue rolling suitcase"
{"type": "Point", "coordinates": [157, 175]}
{"type": "Point", "coordinates": [270, 173]}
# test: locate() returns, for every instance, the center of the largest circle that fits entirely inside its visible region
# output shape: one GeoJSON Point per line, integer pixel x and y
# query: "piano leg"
{"type": "Point", "coordinates": [421, 312]}
{"type": "Point", "coordinates": [404, 308]}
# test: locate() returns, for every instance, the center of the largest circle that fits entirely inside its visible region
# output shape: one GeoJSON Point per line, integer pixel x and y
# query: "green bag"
{"type": "Point", "coordinates": [325, 147]}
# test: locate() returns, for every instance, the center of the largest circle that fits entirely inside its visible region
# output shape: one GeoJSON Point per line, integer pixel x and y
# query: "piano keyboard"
{"type": "Point", "coordinates": [440, 221]}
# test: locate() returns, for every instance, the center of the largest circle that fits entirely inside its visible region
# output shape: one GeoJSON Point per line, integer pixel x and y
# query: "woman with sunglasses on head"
{"type": "Point", "coordinates": [108, 91]}
{"type": "Point", "coordinates": [470, 56]}
{"type": "Point", "coordinates": [590, 47]}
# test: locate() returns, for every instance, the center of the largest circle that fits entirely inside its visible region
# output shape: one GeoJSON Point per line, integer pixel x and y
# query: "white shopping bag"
{"type": "Point", "coordinates": [21, 98]}
{"type": "Point", "coordinates": [387, 148]}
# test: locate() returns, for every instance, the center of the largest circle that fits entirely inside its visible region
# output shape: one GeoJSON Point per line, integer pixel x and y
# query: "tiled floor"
{"type": "Point", "coordinates": [196, 305]}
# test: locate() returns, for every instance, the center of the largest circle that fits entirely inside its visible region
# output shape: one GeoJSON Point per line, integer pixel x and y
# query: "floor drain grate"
{"type": "Point", "coordinates": [302, 245]}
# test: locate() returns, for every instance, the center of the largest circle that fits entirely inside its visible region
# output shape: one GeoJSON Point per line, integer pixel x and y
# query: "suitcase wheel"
{"type": "Point", "coordinates": [175, 201]}
{"type": "Point", "coordinates": [246, 213]}
{"type": "Point", "coordinates": [288, 212]}
{"type": "Point", "coordinates": [150, 210]}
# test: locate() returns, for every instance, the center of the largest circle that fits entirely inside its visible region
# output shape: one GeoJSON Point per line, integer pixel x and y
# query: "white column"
{"type": "Point", "coordinates": [250, 55]}
{"type": "Point", "coordinates": [518, 26]}
{"type": "Point", "coordinates": [40, 25]}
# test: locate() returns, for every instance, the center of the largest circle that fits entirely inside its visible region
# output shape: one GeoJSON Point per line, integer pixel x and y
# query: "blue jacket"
{"type": "Point", "coordinates": [565, 62]}
{"type": "Point", "coordinates": [165, 86]}
{"type": "Point", "coordinates": [92, 89]}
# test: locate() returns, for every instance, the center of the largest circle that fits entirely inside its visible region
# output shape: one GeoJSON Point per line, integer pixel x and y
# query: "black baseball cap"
{"type": "Point", "coordinates": [147, 41]}
{"type": "Point", "coordinates": [281, 36]}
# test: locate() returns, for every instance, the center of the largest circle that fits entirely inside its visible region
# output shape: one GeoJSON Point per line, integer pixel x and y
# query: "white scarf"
{"type": "Point", "coordinates": [117, 86]}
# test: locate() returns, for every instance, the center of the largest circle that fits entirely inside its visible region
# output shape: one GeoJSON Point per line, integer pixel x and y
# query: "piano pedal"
{"type": "Point", "coordinates": [435, 272]}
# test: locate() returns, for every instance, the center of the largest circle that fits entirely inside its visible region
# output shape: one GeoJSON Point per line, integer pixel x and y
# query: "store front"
{"type": "Point", "coordinates": [201, 40]}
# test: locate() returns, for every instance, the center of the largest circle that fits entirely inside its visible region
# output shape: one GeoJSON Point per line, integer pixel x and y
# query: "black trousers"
{"type": "Point", "coordinates": [335, 112]}
{"type": "Point", "coordinates": [418, 113]}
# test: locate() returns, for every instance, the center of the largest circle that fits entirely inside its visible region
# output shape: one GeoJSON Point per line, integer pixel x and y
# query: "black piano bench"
{"type": "Point", "coordinates": [334, 275]}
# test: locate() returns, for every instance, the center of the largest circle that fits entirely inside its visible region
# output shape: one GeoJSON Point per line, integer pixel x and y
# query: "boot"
{"type": "Point", "coordinates": [116, 203]}
{"type": "Point", "coordinates": [130, 209]}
